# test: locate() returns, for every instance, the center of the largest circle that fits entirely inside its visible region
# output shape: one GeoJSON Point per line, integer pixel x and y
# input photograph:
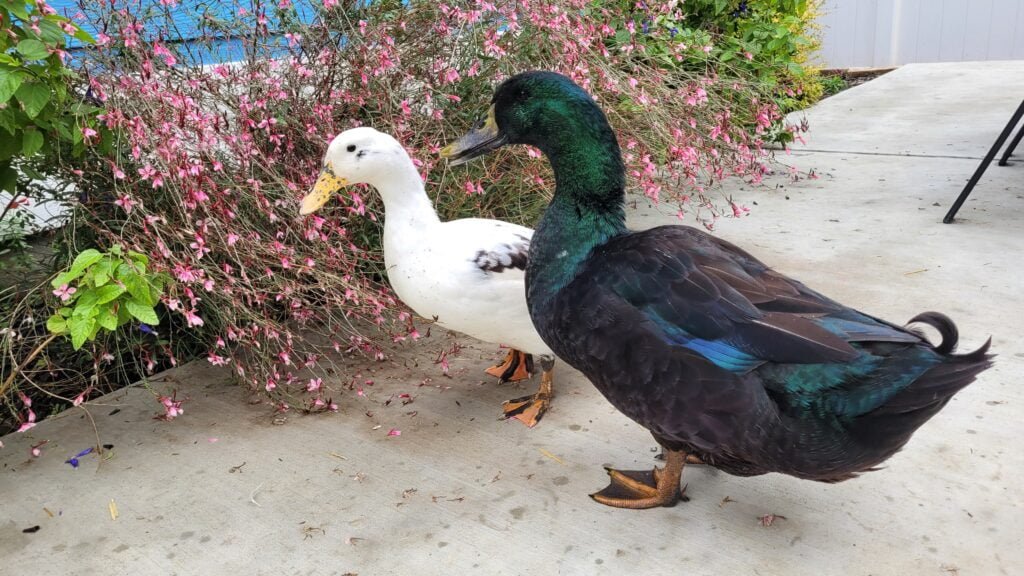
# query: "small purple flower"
{"type": "Point", "coordinates": [145, 329]}
{"type": "Point", "coordinates": [646, 26]}
{"type": "Point", "coordinates": [74, 460]}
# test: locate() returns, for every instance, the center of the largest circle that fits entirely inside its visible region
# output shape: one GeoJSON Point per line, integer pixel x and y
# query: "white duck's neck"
{"type": "Point", "coordinates": [405, 201]}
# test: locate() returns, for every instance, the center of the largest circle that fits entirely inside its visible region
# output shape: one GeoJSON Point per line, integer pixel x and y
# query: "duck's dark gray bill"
{"type": "Point", "coordinates": [474, 144]}
{"type": "Point", "coordinates": [483, 138]}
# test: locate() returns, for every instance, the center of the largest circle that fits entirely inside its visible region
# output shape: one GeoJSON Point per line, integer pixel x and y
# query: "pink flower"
{"type": "Point", "coordinates": [172, 407]}
{"type": "Point", "coordinates": [126, 203]}
{"type": "Point", "coordinates": [81, 397]}
{"type": "Point", "coordinates": [314, 384]}
{"type": "Point", "coordinates": [394, 432]}
{"type": "Point", "coordinates": [64, 292]}
{"type": "Point", "coordinates": [193, 319]}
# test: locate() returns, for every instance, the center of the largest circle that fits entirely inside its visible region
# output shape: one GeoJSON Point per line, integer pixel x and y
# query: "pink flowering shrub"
{"type": "Point", "coordinates": [211, 160]}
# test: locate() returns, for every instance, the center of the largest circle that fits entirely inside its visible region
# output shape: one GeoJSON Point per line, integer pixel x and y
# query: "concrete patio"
{"type": "Point", "coordinates": [229, 489]}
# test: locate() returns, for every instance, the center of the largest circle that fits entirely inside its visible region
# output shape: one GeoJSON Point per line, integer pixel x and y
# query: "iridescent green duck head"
{"type": "Point", "coordinates": [542, 109]}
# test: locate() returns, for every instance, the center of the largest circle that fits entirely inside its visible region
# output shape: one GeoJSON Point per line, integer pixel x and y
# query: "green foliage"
{"type": "Point", "coordinates": [40, 117]}
{"type": "Point", "coordinates": [832, 84]}
{"type": "Point", "coordinates": [768, 40]}
{"type": "Point", "coordinates": [104, 291]}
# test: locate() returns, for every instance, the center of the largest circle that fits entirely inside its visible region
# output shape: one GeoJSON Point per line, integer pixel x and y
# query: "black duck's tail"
{"type": "Point", "coordinates": [950, 336]}
{"type": "Point", "coordinates": [890, 425]}
{"type": "Point", "coordinates": [934, 388]}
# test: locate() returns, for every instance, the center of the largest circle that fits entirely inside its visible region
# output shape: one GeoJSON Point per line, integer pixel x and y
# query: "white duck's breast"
{"type": "Point", "coordinates": [469, 275]}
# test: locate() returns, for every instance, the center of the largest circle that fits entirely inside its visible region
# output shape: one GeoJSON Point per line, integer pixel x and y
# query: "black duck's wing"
{"type": "Point", "coordinates": [713, 298]}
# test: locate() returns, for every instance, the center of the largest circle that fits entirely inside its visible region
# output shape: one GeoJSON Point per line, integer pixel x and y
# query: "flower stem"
{"type": "Point", "coordinates": [10, 379]}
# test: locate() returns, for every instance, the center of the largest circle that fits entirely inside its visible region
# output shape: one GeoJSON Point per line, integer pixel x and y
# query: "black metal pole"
{"type": "Point", "coordinates": [1012, 146]}
{"type": "Point", "coordinates": [984, 164]}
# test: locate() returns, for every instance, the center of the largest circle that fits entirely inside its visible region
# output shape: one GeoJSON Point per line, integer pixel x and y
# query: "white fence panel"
{"type": "Point", "coordinates": [879, 33]}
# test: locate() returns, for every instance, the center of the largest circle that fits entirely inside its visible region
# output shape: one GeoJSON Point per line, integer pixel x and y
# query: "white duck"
{"type": "Point", "coordinates": [466, 274]}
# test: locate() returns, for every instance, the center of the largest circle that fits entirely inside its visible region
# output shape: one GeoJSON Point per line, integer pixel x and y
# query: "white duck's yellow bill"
{"type": "Point", "coordinates": [326, 185]}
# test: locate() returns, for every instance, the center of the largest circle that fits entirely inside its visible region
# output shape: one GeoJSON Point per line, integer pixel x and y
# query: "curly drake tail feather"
{"type": "Point", "coordinates": [933, 389]}
{"type": "Point", "coordinates": [950, 335]}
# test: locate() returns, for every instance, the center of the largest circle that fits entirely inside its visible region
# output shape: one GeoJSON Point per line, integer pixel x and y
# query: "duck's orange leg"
{"type": "Point", "coordinates": [517, 366]}
{"type": "Point", "coordinates": [638, 489]}
{"type": "Point", "coordinates": [530, 409]}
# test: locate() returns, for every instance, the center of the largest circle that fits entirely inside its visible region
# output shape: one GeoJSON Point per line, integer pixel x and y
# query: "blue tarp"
{"type": "Point", "coordinates": [190, 25]}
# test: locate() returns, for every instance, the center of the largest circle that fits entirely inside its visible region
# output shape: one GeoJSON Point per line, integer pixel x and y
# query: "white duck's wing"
{"type": "Point", "coordinates": [508, 253]}
{"type": "Point", "coordinates": [472, 281]}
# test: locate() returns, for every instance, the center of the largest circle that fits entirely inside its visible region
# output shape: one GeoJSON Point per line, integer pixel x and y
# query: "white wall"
{"type": "Point", "coordinates": [880, 33]}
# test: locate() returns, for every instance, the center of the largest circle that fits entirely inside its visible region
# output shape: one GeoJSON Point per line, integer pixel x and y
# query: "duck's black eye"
{"type": "Point", "coordinates": [351, 148]}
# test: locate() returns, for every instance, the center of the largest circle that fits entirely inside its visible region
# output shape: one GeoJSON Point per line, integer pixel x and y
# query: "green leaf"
{"type": "Point", "coordinates": [8, 179]}
{"type": "Point", "coordinates": [7, 121]}
{"type": "Point", "coordinates": [33, 97]}
{"type": "Point", "coordinates": [17, 7]}
{"type": "Point", "coordinates": [138, 257]}
{"type": "Point", "coordinates": [85, 259]}
{"type": "Point", "coordinates": [32, 49]}
{"type": "Point", "coordinates": [85, 303]}
{"type": "Point", "coordinates": [84, 36]}
{"type": "Point", "coordinates": [108, 293]}
{"type": "Point", "coordinates": [139, 289]}
{"type": "Point", "coordinates": [31, 142]}
{"type": "Point", "coordinates": [107, 319]}
{"type": "Point", "coordinates": [62, 129]}
{"type": "Point", "coordinates": [10, 147]}
{"type": "Point", "coordinates": [10, 81]}
{"type": "Point", "coordinates": [31, 172]}
{"type": "Point", "coordinates": [82, 261]}
{"type": "Point", "coordinates": [101, 273]}
{"type": "Point", "coordinates": [123, 316]}
{"type": "Point", "coordinates": [62, 279]}
{"type": "Point", "coordinates": [51, 32]}
{"type": "Point", "coordinates": [56, 324]}
{"type": "Point", "coordinates": [80, 329]}
{"type": "Point", "coordinates": [142, 312]}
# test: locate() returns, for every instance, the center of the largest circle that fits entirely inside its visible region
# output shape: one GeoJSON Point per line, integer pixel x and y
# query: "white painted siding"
{"type": "Point", "coordinates": [879, 33]}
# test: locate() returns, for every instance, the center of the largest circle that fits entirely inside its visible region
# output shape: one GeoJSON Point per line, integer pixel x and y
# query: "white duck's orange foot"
{"type": "Point", "coordinates": [517, 366]}
{"type": "Point", "coordinates": [530, 409]}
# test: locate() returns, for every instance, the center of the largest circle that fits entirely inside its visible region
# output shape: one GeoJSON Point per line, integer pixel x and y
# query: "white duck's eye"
{"type": "Point", "coordinates": [351, 148]}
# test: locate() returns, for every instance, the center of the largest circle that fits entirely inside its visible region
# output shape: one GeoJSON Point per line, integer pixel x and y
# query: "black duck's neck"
{"type": "Point", "coordinates": [587, 208]}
